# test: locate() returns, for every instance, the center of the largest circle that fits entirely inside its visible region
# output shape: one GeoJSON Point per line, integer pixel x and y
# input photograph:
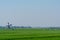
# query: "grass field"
{"type": "Point", "coordinates": [29, 34]}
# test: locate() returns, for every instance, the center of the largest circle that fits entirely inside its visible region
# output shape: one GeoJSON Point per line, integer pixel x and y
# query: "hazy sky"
{"type": "Point", "coordinates": [30, 12]}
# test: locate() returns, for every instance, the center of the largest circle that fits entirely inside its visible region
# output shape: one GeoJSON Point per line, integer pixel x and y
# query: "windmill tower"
{"type": "Point", "coordinates": [8, 25]}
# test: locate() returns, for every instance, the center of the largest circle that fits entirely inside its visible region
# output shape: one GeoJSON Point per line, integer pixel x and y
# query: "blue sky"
{"type": "Point", "coordinates": [30, 12]}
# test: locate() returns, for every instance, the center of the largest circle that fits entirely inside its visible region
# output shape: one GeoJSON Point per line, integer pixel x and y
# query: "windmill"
{"type": "Point", "coordinates": [9, 25]}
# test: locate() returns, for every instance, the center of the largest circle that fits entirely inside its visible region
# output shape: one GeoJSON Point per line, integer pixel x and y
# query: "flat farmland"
{"type": "Point", "coordinates": [29, 34]}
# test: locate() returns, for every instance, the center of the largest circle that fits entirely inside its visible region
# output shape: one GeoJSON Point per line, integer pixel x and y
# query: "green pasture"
{"type": "Point", "coordinates": [29, 34]}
